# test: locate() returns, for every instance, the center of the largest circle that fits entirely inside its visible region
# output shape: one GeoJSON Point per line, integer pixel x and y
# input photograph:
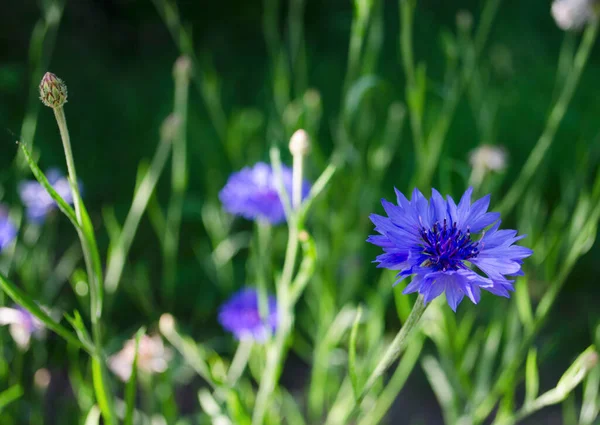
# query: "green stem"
{"type": "Point", "coordinates": [118, 255]}
{"type": "Point", "coordinates": [276, 348]}
{"type": "Point", "coordinates": [396, 347]}
{"type": "Point", "coordinates": [91, 257]}
{"type": "Point", "coordinates": [285, 305]}
{"type": "Point", "coordinates": [179, 182]}
{"type": "Point", "coordinates": [408, 63]}
{"type": "Point", "coordinates": [554, 119]}
{"type": "Point", "coordinates": [239, 362]}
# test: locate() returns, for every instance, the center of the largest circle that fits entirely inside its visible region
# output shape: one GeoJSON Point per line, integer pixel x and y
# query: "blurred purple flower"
{"type": "Point", "coordinates": [37, 201]}
{"type": "Point", "coordinates": [252, 193]}
{"type": "Point", "coordinates": [8, 230]}
{"type": "Point", "coordinates": [240, 316]}
{"type": "Point", "coordinates": [434, 241]}
{"type": "Point", "coordinates": [22, 325]}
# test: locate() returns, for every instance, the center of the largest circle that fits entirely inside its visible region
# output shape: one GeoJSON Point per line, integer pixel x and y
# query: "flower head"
{"type": "Point", "coordinates": [38, 201]}
{"type": "Point", "coordinates": [574, 14]}
{"type": "Point", "coordinates": [53, 91]}
{"type": "Point", "coordinates": [153, 357]}
{"type": "Point", "coordinates": [8, 230]}
{"type": "Point", "coordinates": [22, 325]}
{"type": "Point", "coordinates": [252, 193]}
{"type": "Point", "coordinates": [436, 242]}
{"type": "Point", "coordinates": [240, 315]}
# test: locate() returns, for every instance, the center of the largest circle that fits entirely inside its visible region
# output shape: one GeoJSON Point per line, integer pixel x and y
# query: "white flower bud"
{"type": "Point", "coordinates": [300, 143]}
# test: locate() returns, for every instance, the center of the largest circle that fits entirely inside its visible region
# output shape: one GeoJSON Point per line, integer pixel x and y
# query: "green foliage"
{"type": "Point", "coordinates": [169, 255]}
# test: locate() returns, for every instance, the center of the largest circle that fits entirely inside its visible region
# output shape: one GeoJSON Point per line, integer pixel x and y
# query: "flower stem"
{"type": "Point", "coordinates": [179, 183]}
{"type": "Point", "coordinates": [285, 306]}
{"type": "Point", "coordinates": [396, 347]}
{"type": "Point", "coordinates": [93, 266]}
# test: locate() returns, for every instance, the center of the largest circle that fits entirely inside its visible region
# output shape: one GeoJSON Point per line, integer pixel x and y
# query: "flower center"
{"type": "Point", "coordinates": [447, 246]}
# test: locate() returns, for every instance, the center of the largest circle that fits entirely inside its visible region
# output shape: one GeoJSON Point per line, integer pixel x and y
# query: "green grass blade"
{"type": "Point", "coordinates": [354, 378]}
{"type": "Point", "coordinates": [21, 298]}
{"type": "Point", "coordinates": [8, 396]}
{"type": "Point", "coordinates": [41, 178]}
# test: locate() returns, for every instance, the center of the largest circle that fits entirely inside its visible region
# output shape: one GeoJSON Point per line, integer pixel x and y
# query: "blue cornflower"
{"type": "Point", "coordinates": [8, 230]}
{"type": "Point", "coordinates": [240, 316]}
{"type": "Point", "coordinates": [252, 193]}
{"type": "Point", "coordinates": [435, 241]}
{"type": "Point", "coordinates": [37, 200]}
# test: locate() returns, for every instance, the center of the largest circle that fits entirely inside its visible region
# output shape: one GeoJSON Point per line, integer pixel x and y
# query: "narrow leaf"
{"type": "Point", "coordinates": [11, 394]}
{"type": "Point", "coordinates": [41, 178]}
{"type": "Point", "coordinates": [352, 353]}
{"type": "Point", "coordinates": [19, 297]}
{"type": "Point", "coordinates": [532, 381]}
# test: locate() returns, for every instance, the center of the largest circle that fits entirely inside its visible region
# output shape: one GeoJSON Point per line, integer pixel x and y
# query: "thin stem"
{"type": "Point", "coordinates": [285, 320]}
{"type": "Point", "coordinates": [116, 261]}
{"type": "Point", "coordinates": [408, 63]}
{"type": "Point", "coordinates": [179, 182]}
{"type": "Point", "coordinates": [297, 181]}
{"type": "Point", "coordinates": [239, 362]}
{"type": "Point", "coordinates": [275, 349]}
{"type": "Point", "coordinates": [263, 230]}
{"type": "Point", "coordinates": [554, 119]}
{"type": "Point", "coordinates": [396, 347]}
{"type": "Point", "coordinates": [101, 386]}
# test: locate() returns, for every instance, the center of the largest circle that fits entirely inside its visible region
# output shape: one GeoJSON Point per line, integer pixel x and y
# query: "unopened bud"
{"type": "Point", "coordinates": [53, 92]}
{"type": "Point", "coordinates": [166, 323]}
{"type": "Point", "coordinates": [300, 143]}
{"type": "Point", "coordinates": [182, 68]}
{"type": "Point", "coordinates": [464, 20]}
{"type": "Point", "coordinates": [312, 98]}
{"type": "Point", "coordinates": [573, 15]}
{"type": "Point", "coordinates": [42, 378]}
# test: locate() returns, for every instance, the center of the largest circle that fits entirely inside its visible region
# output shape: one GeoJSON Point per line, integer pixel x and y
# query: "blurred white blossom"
{"type": "Point", "coordinates": [488, 157]}
{"type": "Point", "coordinates": [153, 357]}
{"type": "Point", "coordinates": [484, 159]}
{"type": "Point", "coordinates": [22, 325]}
{"type": "Point", "coordinates": [574, 14]}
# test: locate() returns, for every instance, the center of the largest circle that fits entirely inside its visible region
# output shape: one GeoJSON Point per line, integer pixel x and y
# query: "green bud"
{"type": "Point", "coordinates": [53, 92]}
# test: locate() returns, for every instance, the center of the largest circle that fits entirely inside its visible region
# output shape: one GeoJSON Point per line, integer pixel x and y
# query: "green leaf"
{"type": "Point", "coordinates": [354, 378]}
{"type": "Point", "coordinates": [19, 297]}
{"type": "Point", "coordinates": [41, 178]}
{"type": "Point", "coordinates": [77, 323]}
{"type": "Point", "coordinates": [590, 405]}
{"type": "Point", "coordinates": [524, 303]}
{"type": "Point", "coordinates": [441, 387]}
{"type": "Point", "coordinates": [93, 416]}
{"type": "Point", "coordinates": [532, 381]}
{"type": "Point", "coordinates": [8, 396]}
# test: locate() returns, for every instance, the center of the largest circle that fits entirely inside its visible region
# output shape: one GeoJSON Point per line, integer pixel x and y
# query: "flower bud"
{"type": "Point", "coordinates": [182, 68]}
{"type": "Point", "coordinates": [464, 20]}
{"type": "Point", "coordinates": [573, 15]}
{"type": "Point", "coordinates": [42, 378]}
{"type": "Point", "coordinates": [166, 324]}
{"type": "Point", "coordinates": [300, 143]}
{"type": "Point", "coordinates": [53, 92]}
